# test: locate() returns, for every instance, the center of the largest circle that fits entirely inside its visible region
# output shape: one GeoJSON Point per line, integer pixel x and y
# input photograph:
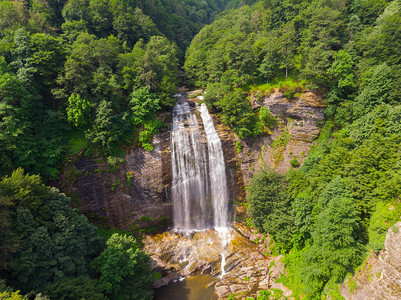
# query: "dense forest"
{"type": "Point", "coordinates": [93, 76]}
{"type": "Point", "coordinates": [80, 76]}
{"type": "Point", "coordinates": [329, 214]}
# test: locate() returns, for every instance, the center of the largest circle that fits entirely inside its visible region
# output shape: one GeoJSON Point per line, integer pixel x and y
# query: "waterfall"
{"type": "Point", "coordinates": [199, 190]}
{"type": "Point", "coordinates": [217, 167]}
{"type": "Point", "coordinates": [190, 187]}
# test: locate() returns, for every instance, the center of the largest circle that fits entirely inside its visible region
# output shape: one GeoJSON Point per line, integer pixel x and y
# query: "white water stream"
{"type": "Point", "coordinates": [199, 190]}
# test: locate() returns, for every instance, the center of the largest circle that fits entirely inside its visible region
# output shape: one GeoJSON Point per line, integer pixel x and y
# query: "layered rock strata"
{"type": "Point", "coordinates": [134, 192]}
{"type": "Point", "coordinates": [295, 131]}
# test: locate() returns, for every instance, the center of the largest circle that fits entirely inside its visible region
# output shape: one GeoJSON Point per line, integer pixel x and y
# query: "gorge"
{"type": "Point", "coordinates": [273, 173]}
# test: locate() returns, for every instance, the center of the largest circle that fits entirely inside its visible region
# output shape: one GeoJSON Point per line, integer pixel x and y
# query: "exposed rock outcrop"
{"type": "Point", "coordinates": [295, 131]}
{"type": "Point", "coordinates": [380, 276]}
{"type": "Point", "coordinates": [301, 114]}
{"type": "Point", "coordinates": [136, 191]}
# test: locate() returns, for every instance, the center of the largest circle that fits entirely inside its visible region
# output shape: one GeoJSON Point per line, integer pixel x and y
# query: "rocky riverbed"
{"type": "Point", "coordinates": [248, 268]}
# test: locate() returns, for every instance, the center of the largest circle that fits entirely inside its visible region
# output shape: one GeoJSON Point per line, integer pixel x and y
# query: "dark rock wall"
{"type": "Point", "coordinates": [136, 192]}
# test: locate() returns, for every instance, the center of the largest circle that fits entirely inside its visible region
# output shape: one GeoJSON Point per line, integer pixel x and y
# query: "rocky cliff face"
{"type": "Point", "coordinates": [296, 129]}
{"type": "Point", "coordinates": [135, 192]}
{"type": "Point", "coordinates": [380, 276]}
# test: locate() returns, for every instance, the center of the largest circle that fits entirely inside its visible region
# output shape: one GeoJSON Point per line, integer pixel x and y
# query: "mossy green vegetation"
{"type": "Point", "coordinates": [277, 83]}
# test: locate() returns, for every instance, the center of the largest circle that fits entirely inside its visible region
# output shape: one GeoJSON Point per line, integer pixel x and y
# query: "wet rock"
{"type": "Point", "coordinates": [160, 282]}
{"type": "Point", "coordinates": [222, 291]}
{"type": "Point", "coordinates": [242, 229]}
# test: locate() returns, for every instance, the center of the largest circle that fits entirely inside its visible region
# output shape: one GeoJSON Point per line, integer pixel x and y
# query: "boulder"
{"type": "Point", "coordinates": [237, 288]}
{"type": "Point", "coordinates": [222, 290]}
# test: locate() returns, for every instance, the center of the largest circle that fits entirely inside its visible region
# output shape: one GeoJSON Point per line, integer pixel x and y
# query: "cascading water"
{"type": "Point", "coordinates": [218, 182]}
{"type": "Point", "coordinates": [200, 192]}
{"type": "Point", "coordinates": [217, 167]}
{"type": "Point", "coordinates": [190, 189]}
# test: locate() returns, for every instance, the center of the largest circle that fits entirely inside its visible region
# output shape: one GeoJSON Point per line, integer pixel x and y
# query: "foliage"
{"type": "Point", "coordinates": [268, 205]}
{"type": "Point", "coordinates": [335, 249]}
{"type": "Point", "coordinates": [150, 129]}
{"type": "Point", "coordinates": [124, 269]}
{"type": "Point", "coordinates": [294, 163]}
{"type": "Point", "coordinates": [44, 238]}
{"type": "Point", "coordinates": [81, 287]}
{"type": "Point", "coordinates": [266, 117]}
{"type": "Point", "coordinates": [235, 110]}
{"type": "Point", "coordinates": [143, 105]}
{"type": "Point", "coordinates": [78, 111]}
{"type": "Point", "coordinates": [384, 215]}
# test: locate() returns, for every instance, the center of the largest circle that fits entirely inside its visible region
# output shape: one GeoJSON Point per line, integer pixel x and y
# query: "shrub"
{"type": "Point", "coordinates": [295, 163]}
{"type": "Point", "coordinates": [266, 117]}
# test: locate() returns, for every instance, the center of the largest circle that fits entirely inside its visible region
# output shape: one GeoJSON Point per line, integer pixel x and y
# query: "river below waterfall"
{"type": "Point", "coordinates": [198, 287]}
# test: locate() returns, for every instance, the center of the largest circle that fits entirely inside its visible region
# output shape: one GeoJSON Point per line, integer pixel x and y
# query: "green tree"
{"type": "Point", "coordinates": [159, 69]}
{"type": "Point", "coordinates": [287, 47]}
{"type": "Point", "coordinates": [323, 36]}
{"type": "Point", "coordinates": [336, 248]}
{"type": "Point", "coordinates": [78, 111]}
{"type": "Point", "coordinates": [124, 269]}
{"type": "Point", "coordinates": [104, 132]}
{"type": "Point", "coordinates": [52, 240]}
{"type": "Point", "coordinates": [269, 65]}
{"type": "Point", "coordinates": [375, 89]}
{"type": "Point", "coordinates": [269, 206]}
{"type": "Point", "coordinates": [341, 70]}
{"type": "Point", "coordinates": [81, 287]}
{"type": "Point", "coordinates": [143, 104]}
{"type": "Point", "coordinates": [9, 16]}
